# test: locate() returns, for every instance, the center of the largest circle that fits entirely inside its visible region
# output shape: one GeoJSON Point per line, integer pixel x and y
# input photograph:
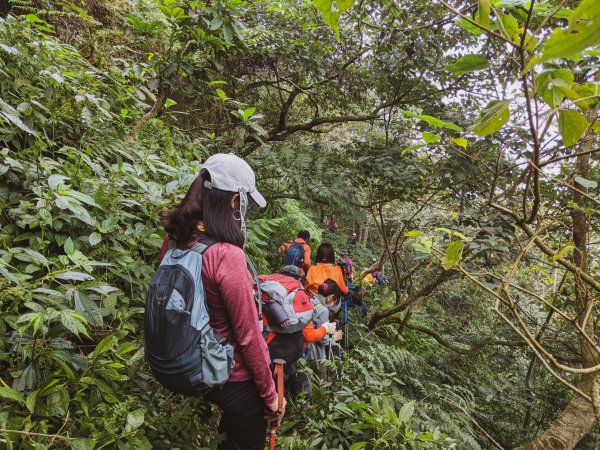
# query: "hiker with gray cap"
{"type": "Point", "coordinates": [212, 213]}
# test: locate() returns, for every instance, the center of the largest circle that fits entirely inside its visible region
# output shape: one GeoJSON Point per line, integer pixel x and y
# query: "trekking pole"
{"type": "Point", "coordinates": [316, 357]}
{"type": "Point", "coordinates": [278, 374]}
{"type": "Point", "coordinates": [345, 326]}
{"type": "Point", "coordinates": [339, 347]}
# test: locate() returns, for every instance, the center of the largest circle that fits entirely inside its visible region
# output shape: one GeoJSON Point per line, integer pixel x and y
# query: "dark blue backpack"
{"type": "Point", "coordinates": [295, 255]}
{"type": "Point", "coordinates": [186, 355]}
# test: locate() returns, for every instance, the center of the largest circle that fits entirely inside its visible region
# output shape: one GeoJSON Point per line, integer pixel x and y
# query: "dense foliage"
{"type": "Point", "coordinates": [458, 139]}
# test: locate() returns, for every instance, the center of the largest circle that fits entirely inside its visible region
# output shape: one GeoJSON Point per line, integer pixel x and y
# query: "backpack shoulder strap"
{"type": "Point", "coordinates": [258, 295]}
{"type": "Point", "coordinates": [202, 244]}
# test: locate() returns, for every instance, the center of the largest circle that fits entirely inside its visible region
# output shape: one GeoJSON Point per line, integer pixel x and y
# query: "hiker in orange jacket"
{"type": "Point", "coordinates": [324, 269]}
{"type": "Point", "coordinates": [300, 258]}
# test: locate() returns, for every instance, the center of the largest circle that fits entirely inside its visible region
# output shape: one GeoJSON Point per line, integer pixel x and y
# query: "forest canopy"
{"type": "Point", "coordinates": [458, 139]}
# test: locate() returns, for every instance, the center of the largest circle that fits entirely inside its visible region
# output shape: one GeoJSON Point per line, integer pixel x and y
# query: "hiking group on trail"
{"type": "Point", "coordinates": [213, 328]}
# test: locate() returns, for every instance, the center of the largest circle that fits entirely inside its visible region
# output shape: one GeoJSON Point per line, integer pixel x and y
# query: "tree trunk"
{"type": "Point", "coordinates": [161, 98]}
{"type": "Point", "coordinates": [571, 426]}
{"type": "Point", "coordinates": [578, 418]}
{"type": "Point", "coordinates": [364, 233]}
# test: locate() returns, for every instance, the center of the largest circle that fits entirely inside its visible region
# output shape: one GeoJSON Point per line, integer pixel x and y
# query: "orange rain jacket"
{"type": "Point", "coordinates": [321, 272]}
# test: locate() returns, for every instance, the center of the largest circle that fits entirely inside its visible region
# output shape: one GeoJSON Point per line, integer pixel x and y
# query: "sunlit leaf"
{"type": "Point", "coordinates": [491, 118]}
{"type": "Point", "coordinates": [461, 142]}
{"type": "Point", "coordinates": [567, 249]}
{"type": "Point", "coordinates": [430, 138]}
{"type": "Point", "coordinates": [583, 32]}
{"type": "Point", "coordinates": [453, 254]}
{"type": "Point", "coordinates": [74, 276]}
{"type": "Point", "coordinates": [468, 63]}
{"type": "Point", "coordinates": [6, 392]}
{"type": "Point", "coordinates": [331, 11]}
{"type": "Point", "coordinates": [432, 120]}
{"type": "Point", "coordinates": [571, 126]}
{"type": "Point", "coordinates": [483, 13]}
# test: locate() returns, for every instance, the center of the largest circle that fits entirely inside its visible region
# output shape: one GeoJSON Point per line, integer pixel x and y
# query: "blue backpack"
{"type": "Point", "coordinates": [295, 255]}
{"type": "Point", "coordinates": [186, 355]}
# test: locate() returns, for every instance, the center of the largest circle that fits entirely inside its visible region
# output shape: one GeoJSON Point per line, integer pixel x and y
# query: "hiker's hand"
{"type": "Point", "coordinates": [272, 411]}
{"type": "Point", "coordinates": [329, 327]}
{"type": "Point", "coordinates": [337, 336]}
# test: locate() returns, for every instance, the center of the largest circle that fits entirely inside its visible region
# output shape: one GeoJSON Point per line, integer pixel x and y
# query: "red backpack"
{"type": "Point", "coordinates": [286, 305]}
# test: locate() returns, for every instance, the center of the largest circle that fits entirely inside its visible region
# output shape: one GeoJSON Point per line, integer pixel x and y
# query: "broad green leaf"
{"type": "Point", "coordinates": [491, 118]}
{"type": "Point", "coordinates": [410, 149]}
{"type": "Point", "coordinates": [406, 412]}
{"type": "Point", "coordinates": [249, 112]}
{"type": "Point", "coordinates": [583, 32]}
{"type": "Point", "coordinates": [94, 238]}
{"type": "Point", "coordinates": [74, 276]}
{"type": "Point", "coordinates": [510, 25]}
{"type": "Point", "coordinates": [445, 230]}
{"type": "Point", "coordinates": [69, 246]}
{"type": "Point", "coordinates": [83, 444]}
{"type": "Point", "coordinates": [331, 11]}
{"type": "Point", "coordinates": [30, 402]}
{"type": "Point", "coordinates": [6, 392]}
{"type": "Point", "coordinates": [221, 94]}
{"type": "Point", "coordinates": [453, 254]}
{"type": "Point", "coordinates": [55, 181]}
{"type": "Point", "coordinates": [483, 13]}
{"type": "Point", "coordinates": [33, 19]}
{"type": "Point", "coordinates": [169, 103]}
{"type": "Point", "coordinates": [468, 63]}
{"type": "Point", "coordinates": [175, 13]}
{"type": "Point", "coordinates": [73, 322]}
{"type": "Point", "coordinates": [571, 125]}
{"type": "Point", "coordinates": [358, 446]}
{"type": "Point", "coordinates": [567, 248]}
{"type": "Point", "coordinates": [135, 420]}
{"type": "Point", "coordinates": [432, 120]}
{"type": "Point", "coordinates": [87, 308]}
{"type": "Point", "coordinates": [460, 235]}
{"type": "Point", "coordinates": [423, 245]}
{"type": "Point", "coordinates": [412, 233]}
{"type": "Point", "coordinates": [150, 28]}
{"type": "Point", "coordinates": [461, 142]}
{"type": "Point", "coordinates": [588, 184]}
{"type": "Point", "coordinates": [9, 114]}
{"type": "Point", "coordinates": [430, 138]}
{"type": "Point", "coordinates": [104, 345]}
{"type": "Point", "coordinates": [468, 26]}
{"type": "Point", "coordinates": [37, 256]}
{"type": "Point", "coordinates": [139, 441]}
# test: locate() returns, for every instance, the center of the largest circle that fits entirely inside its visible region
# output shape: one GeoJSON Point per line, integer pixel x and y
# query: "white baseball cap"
{"type": "Point", "coordinates": [231, 173]}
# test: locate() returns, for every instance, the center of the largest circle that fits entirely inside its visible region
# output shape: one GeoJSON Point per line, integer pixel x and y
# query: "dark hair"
{"type": "Point", "coordinates": [304, 234]}
{"type": "Point", "coordinates": [329, 287]}
{"type": "Point", "coordinates": [213, 206]}
{"type": "Point", "coordinates": [325, 253]}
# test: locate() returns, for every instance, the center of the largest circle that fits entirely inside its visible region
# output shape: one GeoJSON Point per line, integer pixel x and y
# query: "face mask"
{"type": "Point", "coordinates": [243, 208]}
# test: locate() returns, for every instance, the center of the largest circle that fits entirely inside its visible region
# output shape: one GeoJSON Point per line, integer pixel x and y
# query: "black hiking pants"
{"type": "Point", "coordinates": [297, 383]}
{"type": "Point", "coordinates": [243, 416]}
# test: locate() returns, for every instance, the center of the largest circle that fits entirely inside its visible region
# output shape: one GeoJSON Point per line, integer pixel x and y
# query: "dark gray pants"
{"type": "Point", "coordinates": [243, 416]}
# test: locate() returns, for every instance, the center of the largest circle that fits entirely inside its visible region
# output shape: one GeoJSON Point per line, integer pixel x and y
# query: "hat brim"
{"type": "Point", "coordinates": [258, 198]}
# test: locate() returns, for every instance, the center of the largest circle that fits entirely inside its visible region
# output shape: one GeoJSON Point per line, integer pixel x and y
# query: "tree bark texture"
{"type": "Point", "coordinates": [571, 426]}
{"type": "Point", "coordinates": [578, 418]}
{"type": "Point", "coordinates": [364, 233]}
{"type": "Point", "coordinates": [161, 98]}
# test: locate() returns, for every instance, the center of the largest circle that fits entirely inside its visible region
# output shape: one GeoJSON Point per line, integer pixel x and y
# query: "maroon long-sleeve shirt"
{"type": "Point", "coordinates": [230, 301]}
